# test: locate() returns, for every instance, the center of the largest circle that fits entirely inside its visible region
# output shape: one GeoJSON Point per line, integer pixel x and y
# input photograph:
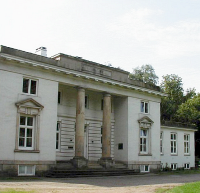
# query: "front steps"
{"type": "Point", "coordinates": [66, 170]}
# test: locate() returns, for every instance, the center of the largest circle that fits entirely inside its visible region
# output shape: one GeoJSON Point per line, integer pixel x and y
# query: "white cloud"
{"type": "Point", "coordinates": [163, 41]}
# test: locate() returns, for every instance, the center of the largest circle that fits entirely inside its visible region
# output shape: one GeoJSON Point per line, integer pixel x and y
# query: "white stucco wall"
{"type": "Point", "coordinates": [134, 115]}
{"type": "Point", "coordinates": [11, 92]}
{"type": "Point", "coordinates": [121, 128]}
{"type": "Point", "coordinates": [180, 158]}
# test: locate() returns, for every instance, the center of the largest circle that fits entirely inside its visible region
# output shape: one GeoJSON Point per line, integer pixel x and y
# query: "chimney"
{"type": "Point", "coordinates": [41, 51]}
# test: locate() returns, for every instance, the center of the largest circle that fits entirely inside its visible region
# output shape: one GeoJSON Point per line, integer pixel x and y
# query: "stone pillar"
{"type": "Point", "coordinates": [79, 161]}
{"type": "Point", "coordinates": [106, 159]}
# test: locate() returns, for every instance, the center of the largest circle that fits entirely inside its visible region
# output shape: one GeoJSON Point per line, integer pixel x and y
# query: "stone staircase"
{"type": "Point", "coordinates": [66, 170]}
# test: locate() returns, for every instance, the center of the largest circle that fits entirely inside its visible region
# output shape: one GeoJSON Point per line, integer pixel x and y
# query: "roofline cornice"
{"type": "Point", "coordinates": [78, 74]}
{"type": "Point", "coordinates": [178, 128]}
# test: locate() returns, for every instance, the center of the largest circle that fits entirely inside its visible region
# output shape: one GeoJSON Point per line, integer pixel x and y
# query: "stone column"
{"type": "Point", "coordinates": [79, 160]}
{"type": "Point", "coordinates": [106, 159]}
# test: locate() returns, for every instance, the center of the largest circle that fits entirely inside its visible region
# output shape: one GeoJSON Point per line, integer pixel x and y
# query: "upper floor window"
{"type": "Point", "coordinates": [29, 86]}
{"type": "Point", "coordinates": [173, 141]}
{"type": "Point", "coordinates": [143, 141]}
{"type": "Point", "coordinates": [26, 131]}
{"type": "Point", "coordinates": [86, 101]}
{"type": "Point", "coordinates": [186, 144]}
{"type": "Point", "coordinates": [161, 142]}
{"type": "Point", "coordinates": [59, 97]}
{"type": "Point", "coordinates": [101, 104]}
{"type": "Point", "coordinates": [144, 107]}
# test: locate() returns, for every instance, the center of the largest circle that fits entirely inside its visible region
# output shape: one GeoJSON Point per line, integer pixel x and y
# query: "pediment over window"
{"type": "Point", "coordinates": [29, 106]}
{"type": "Point", "coordinates": [145, 122]}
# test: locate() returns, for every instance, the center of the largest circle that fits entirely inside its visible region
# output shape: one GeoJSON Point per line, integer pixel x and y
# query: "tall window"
{"type": "Point", "coordinates": [144, 107]}
{"type": "Point", "coordinates": [173, 143]}
{"type": "Point", "coordinates": [186, 144]}
{"type": "Point", "coordinates": [161, 142]}
{"type": "Point", "coordinates": [29, 86]}
{"type": "Point", "coordinates": [59, 97]}
{"type": "Point", "coordinates": [86, 102]}
{"type": "Point", "coordinates": [58, 136]}
{"type": "Point", "coordinates": [26, 132]}
{"type": "Point", "coordinates": [101, 104]}
{"type": "Point", "coordinates": [143, 140]}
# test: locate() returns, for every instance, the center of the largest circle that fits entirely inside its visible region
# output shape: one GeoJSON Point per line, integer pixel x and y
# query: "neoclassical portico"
{"type": "Point", "coordinates": [79, 160]}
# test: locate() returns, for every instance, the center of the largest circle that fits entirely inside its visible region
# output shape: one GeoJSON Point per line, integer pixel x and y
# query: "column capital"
{"type": "Point", "coordinates": [80, 88]}
{"type": "Point", "coordinates": [106, 94]}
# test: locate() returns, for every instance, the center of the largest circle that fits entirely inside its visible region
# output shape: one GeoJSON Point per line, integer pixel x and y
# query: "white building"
{"type": "Point", "coordinates": [177, 146]}
{"type": "Point", "coordinates": [67, 108]}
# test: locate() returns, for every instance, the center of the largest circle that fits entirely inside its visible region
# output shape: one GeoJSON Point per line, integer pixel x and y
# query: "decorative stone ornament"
{"type": "Point", "coordinates": [145, 122]}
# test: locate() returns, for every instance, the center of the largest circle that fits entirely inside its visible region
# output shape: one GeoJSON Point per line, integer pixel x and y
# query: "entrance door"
{"type": "Point", "coordinates": [86, 142]}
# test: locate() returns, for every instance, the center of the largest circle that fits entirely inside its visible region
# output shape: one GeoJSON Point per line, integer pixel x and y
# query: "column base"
{"type": "Point", "coordinates": [79, 162]}
{"type": "Point", "coordinates": [106, 162]}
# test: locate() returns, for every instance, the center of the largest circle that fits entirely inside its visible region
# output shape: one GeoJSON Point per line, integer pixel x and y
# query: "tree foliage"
{"type": "Point", "coordinates": [173, 87]}
{"type": "Point", "coordinates": [190, 111]}
{"type": "Point", "coordinates": [145, 73]}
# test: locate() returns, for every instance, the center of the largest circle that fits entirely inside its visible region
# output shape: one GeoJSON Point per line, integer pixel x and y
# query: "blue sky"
{"type": "Point", "coordinates": [123, 33]}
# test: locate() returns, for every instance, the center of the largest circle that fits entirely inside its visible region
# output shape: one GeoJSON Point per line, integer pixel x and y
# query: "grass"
{"type": "Point", "coordinates": [15, 191]}
{"type": "Point", "coordinates": [193, 171]}
{"type": "Point", "coordinates": [187, 188]}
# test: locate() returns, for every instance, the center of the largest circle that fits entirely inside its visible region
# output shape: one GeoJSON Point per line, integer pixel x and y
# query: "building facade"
{"type": "Point", "coordinates": [66, 108]}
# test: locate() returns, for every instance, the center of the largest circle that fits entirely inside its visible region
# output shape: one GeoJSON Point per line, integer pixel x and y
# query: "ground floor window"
{"type": "Point", "coordinates": [26, 132]}
{"type": "Point", "coordinates": [143, 141]}
{"type": "Point", "coordinates": [187, 166]}
{"type": "Point", "coordinates": [174, 166]}
{"type": "Point", "coordinates": [144, 168]}
{"type": "Point", "coordinates": [186, 143]}
{"type": "Point", "coordinates": [26, 170]}
{"type": "Point", "coordinates": [58, 136]}
{"type": "Point", "coordinates": [173, 143]}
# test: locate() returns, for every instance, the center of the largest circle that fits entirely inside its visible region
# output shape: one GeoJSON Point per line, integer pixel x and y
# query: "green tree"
{"type": "Point", "coordinates": [190, 93]}
{"type": "Point", "coordinates": [145, 73]}
{"type": "Point", "coordinates": [173, 87]}
{"type": "Point", "coordinates": [189, 112]}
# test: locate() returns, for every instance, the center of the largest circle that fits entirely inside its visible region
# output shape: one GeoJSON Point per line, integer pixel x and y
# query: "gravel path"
{"type": "Point", "coordinates": [119, 184]}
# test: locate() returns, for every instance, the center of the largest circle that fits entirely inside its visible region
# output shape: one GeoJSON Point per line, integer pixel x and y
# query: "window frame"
{"type": "Point", "coordinates": [25, 169]}
{"type": "Point", "coordinates": [186, 144]}
{"type": "Point", "coordinates": [143, 110]}
{"type": "Point", "coordinates": [28, 107]}
{"type": "Point", "coordinates": [161, 142]}
{"type": "Point", "coordinates": [29, 86]}
{"type": "Point", "coordinates": [172, 166]}
{"type": "Point", "coordinates": [86, 101]}
{"type": "Point", "coordinates": [186, 166]}
{"type": "Point", "coordinates": [58, 131]}
{"type": "Point", "coordinates": [144, 144]}
{"type": "Point", "coordinates": [59, 97]}
{"type": "Point", "coordinates": [102, 104]}
{"type": "Point", "coordinates": [143, 168]}
{"type": "Point", "coordinates": [173, 144]}
{"type": "Point", "coordinates": [26, 127]}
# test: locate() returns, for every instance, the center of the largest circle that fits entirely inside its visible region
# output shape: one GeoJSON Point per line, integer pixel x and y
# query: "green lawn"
{"type": "Point", "coordinates": [187, 188]}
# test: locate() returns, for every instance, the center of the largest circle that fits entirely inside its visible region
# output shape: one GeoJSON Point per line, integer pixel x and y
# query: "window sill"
{"type": "Point", "coordinates": [161, 153]}
{"type": "Point", "coordinates": [174, 154]}
{"type": "Point", "coordinates": [186, 154]}
{"type": "Point", "coordinates": [26, 151]}
{"type": "Point", "coordinates": [144, 154]}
